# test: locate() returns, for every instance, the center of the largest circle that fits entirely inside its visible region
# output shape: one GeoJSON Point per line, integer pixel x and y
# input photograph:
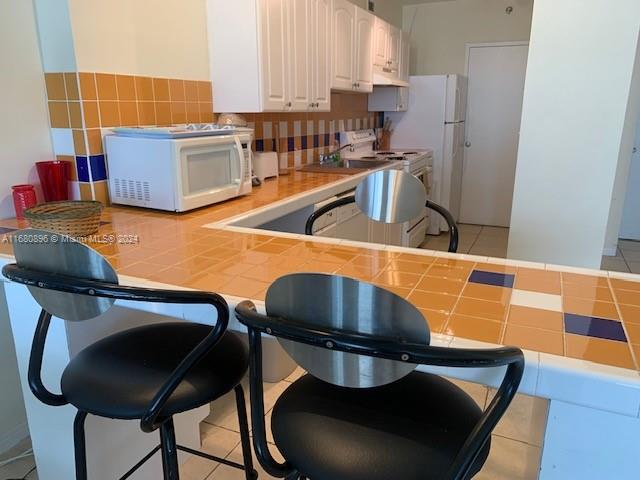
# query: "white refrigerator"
{"type": "Point", "coordinates": [435, 120]}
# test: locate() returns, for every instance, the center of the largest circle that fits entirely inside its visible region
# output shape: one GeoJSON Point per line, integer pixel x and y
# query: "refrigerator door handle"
{"type": "Point", "coordinates": [467, 144]}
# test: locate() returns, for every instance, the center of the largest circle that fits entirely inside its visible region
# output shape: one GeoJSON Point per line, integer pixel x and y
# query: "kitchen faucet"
{"type": "Point", "coordinates": [333, 156]}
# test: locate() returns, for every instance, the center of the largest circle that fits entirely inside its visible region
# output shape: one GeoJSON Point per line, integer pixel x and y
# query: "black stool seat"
{"type": "Point", "coordinates": [410, 429]}
{"type": "Point", "coordinates": [118, 376]}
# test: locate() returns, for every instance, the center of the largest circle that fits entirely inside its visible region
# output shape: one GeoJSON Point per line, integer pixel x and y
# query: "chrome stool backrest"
{"type": "Point", "coordinates": [341, 303]}
{"type": "Point", "coordinates": [50, 252]}
{"type": "Point", "coordinates": [391, 196]}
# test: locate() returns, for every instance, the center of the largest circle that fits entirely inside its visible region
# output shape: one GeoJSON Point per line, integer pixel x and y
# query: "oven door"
{"type": "Point", "coordinates": [209, 170]}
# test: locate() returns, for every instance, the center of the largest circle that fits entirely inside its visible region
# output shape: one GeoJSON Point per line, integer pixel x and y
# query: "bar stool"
{"type": "Point", "coordinates": [362, 411]}
{"type": "Point", "coordinates": [149, 373]}
{"type": "Point", "coordinates": [390, 196]}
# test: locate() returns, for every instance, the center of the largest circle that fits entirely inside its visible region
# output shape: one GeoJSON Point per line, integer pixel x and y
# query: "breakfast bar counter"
{"type": "Point", "coordinates": [580, 329]}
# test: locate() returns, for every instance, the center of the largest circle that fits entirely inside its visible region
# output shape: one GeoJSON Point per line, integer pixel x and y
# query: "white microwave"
{"type": "Point", "coordinates": [178, 174]}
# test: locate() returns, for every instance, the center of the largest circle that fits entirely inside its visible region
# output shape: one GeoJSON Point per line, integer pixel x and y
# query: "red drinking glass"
{"type": "Point", "coordinates": [24, 197]}
{"type": "Point", "coordinates": [54, 179]}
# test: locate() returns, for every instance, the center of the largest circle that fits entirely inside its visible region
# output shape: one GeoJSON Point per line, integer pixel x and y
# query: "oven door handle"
{"type": "Point", "coordinates": [241, 158]}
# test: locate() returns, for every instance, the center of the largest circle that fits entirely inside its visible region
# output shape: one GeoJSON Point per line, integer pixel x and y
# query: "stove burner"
{"type": "Point", "coordinates": [369, 157]}
{"type": "Point", "coordinates": [410, 153]}
{"type": "Point", "coordinates": [386, 153]}
{"type": "Point", "coordinates": [397, 157]}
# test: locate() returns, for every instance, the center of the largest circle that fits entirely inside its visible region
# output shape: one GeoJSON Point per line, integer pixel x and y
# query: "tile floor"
{"type": "Point", "coordinates": [473, 239]}
{"type": "Point", "coordinates": [492, 242]}
{"type": "Point", "coordinates": [515, 451]}
{"type": "Point", "coordinates": [627, 258]}
{"type": "Point", "coordinates": [23, 469]}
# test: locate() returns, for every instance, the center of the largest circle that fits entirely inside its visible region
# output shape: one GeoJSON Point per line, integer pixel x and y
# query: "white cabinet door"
{"type": "Point", "coordinates": [381, 43]}
{"type": "Point", "coordinates": [395, 45]}
{"type": "Point", "coordinates": [320, 57]}
{"type": "Point", "coordinates": [405, 59]}
{"type": "Point", "coordinates": [274, 41]}
{"type": "Point", "coordinates": [377, 232]}
{"type": "Point", "coordinates": [395, 233]}
{"type": "Point", "coordinates": [344, 20]}
{"type": "Point", "coordinates": [355, 228]}
{"type": "Point", "coordinates": [299, 60]}
{"type": "Point", "coordinates": [364, 51]}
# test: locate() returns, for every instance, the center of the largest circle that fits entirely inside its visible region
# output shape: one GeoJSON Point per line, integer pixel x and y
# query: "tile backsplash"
{"type": "Point", "coordinates": [81, 104]}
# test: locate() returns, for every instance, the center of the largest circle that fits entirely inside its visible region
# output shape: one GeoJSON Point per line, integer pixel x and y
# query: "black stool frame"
{"type": "Point", "coordinates": [380, 347]}
{"type": "Point", "coordinates": [153, 418]}
{"type": "Point", "coordinates": [451, 223]}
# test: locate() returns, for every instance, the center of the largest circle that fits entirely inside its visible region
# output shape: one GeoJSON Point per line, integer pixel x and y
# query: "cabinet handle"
{"type": "Point", "coordinates": [290, 104]}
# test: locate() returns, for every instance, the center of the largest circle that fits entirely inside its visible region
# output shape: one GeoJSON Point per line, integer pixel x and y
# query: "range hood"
{"type": "Point", "coordinates": [388, 80]}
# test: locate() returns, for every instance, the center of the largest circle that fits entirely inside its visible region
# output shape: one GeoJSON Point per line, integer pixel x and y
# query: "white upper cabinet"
{"type": "Point", "coordinates": [364, 49]}
{"type": "Point", "coordinates": [352, 47]}
{"type": "Point", "coordinates": [395, 45]}
{"type": "Point", "coordinates": [299, 61]}
{"type": "Point", "coordinates": [320, 57]}
{"type": "Point", "coordinates": [282, 65]}
{"type": "Point", "coordinates": [287, 55]}
{"type": "Point", "coordinates": [381, 43]}
{"type": "Point", "coordinates": [344, 51]}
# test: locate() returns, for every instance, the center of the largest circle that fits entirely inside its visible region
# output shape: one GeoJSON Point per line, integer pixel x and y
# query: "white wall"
{"type": "Point", "coordinates": [440, 30]}
{"type": "Point", "coordinates": [24, 122]}
{"type": "Point", "coordinates": [164, 38]}
{"type": "Point", "coordinates": [576, 101]}
{"type": "Point", "coordinates": [24, 139]}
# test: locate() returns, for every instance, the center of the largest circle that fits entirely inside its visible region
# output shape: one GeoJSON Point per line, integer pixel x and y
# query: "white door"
{"type": "Point", "coordinates": [364, 50]}
{"type": "Point", "coordinates": [273, 22]}
{"type": "Point", "coordinates": [381, 43]}
{"type": "Point", "coordinates": [299, 54]}
{"type": "Point", "coordinates": [494, 109]}
{"type": "Point", "coordinates": [395, 46]}
{"type": "Point", "coordinates": [630, 229]}
{"type": "Point", "coordinates": [344, 19]}
{"type": "Point", "coordinates": [321, 54]}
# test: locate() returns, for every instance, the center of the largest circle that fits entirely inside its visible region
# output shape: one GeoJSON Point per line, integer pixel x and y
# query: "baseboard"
{"type": "Point", "coordinates": [10, 439]}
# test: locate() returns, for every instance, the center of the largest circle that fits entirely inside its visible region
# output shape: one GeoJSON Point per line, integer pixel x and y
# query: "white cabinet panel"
{"type": "Point", "coordinates": [364, 51]}
{"type": "Point", "coordinates": [381, 43]}
{"type": "Point", "coordinates": [395, 45]}
{"type": "Point", "coordinates": [299, 60]}
{"type": "Point", "coordinates": [321, 54]}
{"type": "Point", "coordinates": [344, 20]}
{"type": "Point", "coordinates": [274, 41]}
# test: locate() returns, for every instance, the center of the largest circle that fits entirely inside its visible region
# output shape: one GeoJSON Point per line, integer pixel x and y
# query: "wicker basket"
{"type": "Point", "coordinates": [73, 218]}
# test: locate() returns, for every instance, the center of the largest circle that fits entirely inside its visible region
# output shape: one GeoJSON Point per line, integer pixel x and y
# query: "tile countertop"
{"type": "Point", "coordinates": [550, 310]}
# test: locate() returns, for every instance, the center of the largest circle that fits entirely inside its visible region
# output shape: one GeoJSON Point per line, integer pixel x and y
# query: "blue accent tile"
{"type": "Point", "coordinates": [326, 140]}
{"type": "Point", "coordinates": [316, 141]}
{"type": "Point", "coordinates": [259, 145]}
{"type": "Point", "coordinates": [82, 165]}
{"type": "Point", "coordinates": [303, 142]}
{"type": "Point", "coordinates": [337, 137]}
{"type": "Point", "coordinates": [5, 230]}
{"type": "Point", "coordinates": [594, 327]}
{"type": "Point", "coordinates": [492, 278]}
{"type": "Point", "coordinates": [291, 144]}
{"type": "Point", "coordinates": [98, 168]}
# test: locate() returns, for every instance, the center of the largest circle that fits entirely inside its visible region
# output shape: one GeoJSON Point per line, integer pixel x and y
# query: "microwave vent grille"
{"type": "Point", "coordinates": [132, 189]}
{"type": "Point", "coordinates": [247, 168]}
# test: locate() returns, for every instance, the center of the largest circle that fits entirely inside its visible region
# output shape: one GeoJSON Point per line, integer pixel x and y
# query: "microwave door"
{"type": "Point", "coordinates": [209, 174]}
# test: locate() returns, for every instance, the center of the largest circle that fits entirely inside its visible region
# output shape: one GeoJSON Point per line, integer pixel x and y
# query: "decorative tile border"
{"type": "Point", "coordinates": [81, 104]}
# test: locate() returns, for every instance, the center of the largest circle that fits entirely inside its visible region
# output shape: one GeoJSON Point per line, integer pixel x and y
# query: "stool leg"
{"type": "Point", "coordinates": [169, 451]}
{"type": "Point", "coordinates": [79, 445]}
{"type": "Point", "coordinates": [250, 473]}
